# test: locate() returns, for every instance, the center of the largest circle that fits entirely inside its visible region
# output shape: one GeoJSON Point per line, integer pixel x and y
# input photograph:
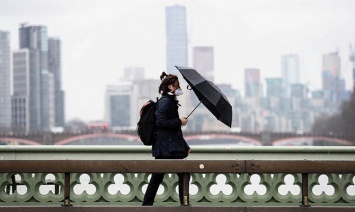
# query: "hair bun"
{"type": "Point", "coordinates": [163, 75]}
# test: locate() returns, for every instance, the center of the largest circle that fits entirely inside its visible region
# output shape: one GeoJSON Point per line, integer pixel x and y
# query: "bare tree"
{"type": "Point", "coordinates": [348, 116]}
{"type": "Point", "coordinates": [342, 123]}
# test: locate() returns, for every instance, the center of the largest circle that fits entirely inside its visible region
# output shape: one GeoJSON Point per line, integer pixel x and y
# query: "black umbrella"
{"type": "Point", "coordinates": [209, 94]}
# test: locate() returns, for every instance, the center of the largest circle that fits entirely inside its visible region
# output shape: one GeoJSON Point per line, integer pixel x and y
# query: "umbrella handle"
{"type": "Point", "coordinates": [193, 110]}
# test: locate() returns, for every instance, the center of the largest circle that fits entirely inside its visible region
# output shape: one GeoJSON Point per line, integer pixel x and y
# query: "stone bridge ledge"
{"type": "Point", "coordinates": [263, 138]}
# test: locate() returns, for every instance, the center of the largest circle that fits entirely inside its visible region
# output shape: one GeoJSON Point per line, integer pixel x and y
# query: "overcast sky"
{"type": "Point", "coordinates": [102, 37]}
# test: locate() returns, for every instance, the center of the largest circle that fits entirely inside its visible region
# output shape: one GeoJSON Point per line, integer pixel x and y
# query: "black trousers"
{"type": "Point", "coordinates": [153, 186]}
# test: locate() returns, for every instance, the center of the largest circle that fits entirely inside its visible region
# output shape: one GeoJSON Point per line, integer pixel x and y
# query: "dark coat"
{"type": "Point", "coordinates": [169, 142]}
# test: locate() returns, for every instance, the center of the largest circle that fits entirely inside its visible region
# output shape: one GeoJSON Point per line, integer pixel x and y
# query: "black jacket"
{"type": "Point", "coordinates": [169, 142]}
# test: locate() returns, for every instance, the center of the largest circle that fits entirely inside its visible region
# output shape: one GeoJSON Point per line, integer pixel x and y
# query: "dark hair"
{"type": "Point", "coordinates": [166, 80]}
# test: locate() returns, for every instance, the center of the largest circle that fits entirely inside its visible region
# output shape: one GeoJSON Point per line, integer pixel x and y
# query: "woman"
{"type": "Point", "coordinates": [169, 143]}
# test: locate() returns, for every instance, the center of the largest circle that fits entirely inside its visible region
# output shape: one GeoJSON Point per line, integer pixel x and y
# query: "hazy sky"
{"type": "Point", "coordinates": [102, 37]}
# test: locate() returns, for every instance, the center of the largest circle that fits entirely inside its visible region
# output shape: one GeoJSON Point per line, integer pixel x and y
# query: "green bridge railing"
{"type": "Point", "coordinates": [221, 176]}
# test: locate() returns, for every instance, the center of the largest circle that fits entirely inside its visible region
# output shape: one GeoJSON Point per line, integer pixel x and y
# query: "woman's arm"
{"type": "Point", "coordinates": [162, 118]}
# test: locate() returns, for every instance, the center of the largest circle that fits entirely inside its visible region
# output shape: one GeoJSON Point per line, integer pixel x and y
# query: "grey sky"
{"type": "Point", "coordinates": [102, 37]}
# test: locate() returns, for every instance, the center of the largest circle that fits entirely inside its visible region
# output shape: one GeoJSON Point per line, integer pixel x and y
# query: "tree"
{"type": "Point", "coordinates": [342, 123]}
{"type": "Point", "coordinates": [329, 125]}
{"type": "Point", "coordinates": [75, 126]}
{"type": "Point", "coordinates": [348, 116]}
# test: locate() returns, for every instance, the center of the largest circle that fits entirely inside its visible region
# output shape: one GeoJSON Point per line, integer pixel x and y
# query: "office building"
{"type": "Point", "coordinates": [331, 63]}
{"type": "Point", "coordinates": [332, 83]}
{"type": "Point", "coordinates": [35, 39]}
{"type": "Point", "coordinates": [298, 91]}
{"type": "Point", "coordinates": [203, 61]}
{"type": "Point", "coordinates": [36, 86]}
{"type": "Point", "coordinates": [176, 38]}
{"type": "Point", "coordinates": [5, 86]}
{"type": "Point", "coordinates": [121, 106]}
{"type": "Point", "coordinates": [290, 72]}
{"type": "Point", "coordinates": [55, 68]}
{"type": "Point", "coordinates": [274, 93]}
{"type": "Point", "coordinates": [331, 72]}
{"type": "Point", "coordinates": [274, 87]}
{"type": "Point", "coordinates": [253, 86]}
{"type": "Point", "coordinates": [26, 94]}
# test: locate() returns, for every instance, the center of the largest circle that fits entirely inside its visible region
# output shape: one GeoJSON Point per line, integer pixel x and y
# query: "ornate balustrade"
{"type": "Point", "coordinates": [118, 176]}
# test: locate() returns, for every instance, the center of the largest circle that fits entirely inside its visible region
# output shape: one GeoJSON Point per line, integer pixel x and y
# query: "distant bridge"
{"type": "Point", "coordinates": [193, 138]}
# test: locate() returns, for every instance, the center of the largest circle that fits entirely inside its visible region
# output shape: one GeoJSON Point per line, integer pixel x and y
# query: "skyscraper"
{"type": "Point", "coordinates": [252, 82]}
{"type": "Point", "coordinates": [203, 61]}
{"type": "Point", "coordinates": [332, 84]}
{"type": "Point", "coordinates": [176, 38]}
{"type": "Point", "coordinates": [55, 68]}
{"type": "Point", "coordinates": [331, 62]}
{"type": "Point", "coordinates": [330, 71]}
{"type": "Point", "coordinates": [5, 87]}
{"type": "Point", "coordinates": [40, 90]}
{"type": "Point", "coordinates": [290, 68]}
{"type": "Point", "coordinates": [25, 99]}
{"type": "Point", "coordinates": [177, 47]}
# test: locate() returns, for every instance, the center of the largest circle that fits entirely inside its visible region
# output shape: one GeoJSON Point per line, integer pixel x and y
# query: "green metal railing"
{"type": "Point", "coordinates": [221, 176]}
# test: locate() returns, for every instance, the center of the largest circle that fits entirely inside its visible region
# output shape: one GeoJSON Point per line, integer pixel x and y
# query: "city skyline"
{"type": "Point", "coordinates": [244, 34]}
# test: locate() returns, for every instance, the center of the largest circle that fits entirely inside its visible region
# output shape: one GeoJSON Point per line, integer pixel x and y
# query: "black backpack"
{"type": "Point", "coordinates": [146, 128]}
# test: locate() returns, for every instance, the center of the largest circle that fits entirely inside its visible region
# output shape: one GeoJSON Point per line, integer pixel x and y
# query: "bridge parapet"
{"type": "Point", "coordinates": [125, 138]}
{"type": "Point", "coordinates": [222, 176]}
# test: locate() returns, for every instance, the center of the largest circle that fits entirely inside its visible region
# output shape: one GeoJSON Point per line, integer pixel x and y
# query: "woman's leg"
{"type": "Point", "coordinates": [152, 189]}
{"type": "Point", "coordinates": [181, 187]}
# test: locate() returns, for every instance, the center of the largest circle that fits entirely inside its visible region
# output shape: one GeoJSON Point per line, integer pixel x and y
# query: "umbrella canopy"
{"type": "Point", "coordinates": [209, 94]}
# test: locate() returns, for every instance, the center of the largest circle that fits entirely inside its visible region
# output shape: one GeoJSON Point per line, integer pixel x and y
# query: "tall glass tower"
{"type": "Point", "coordinates": [290, 67]}
{"type": "Point", "coordinates": [5, 93]}
{"type": "Point", "coordinates": [35, 39]}
{"type": "Point", "coordinates": [176, 38]}
{"type": "Point", "coordinates": [55, 68]}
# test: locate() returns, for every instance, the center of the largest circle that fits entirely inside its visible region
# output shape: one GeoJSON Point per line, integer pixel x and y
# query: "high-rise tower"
{"type": "Point", "coordinates": [331, 62]}
{"type": "Point", "coordinates": [332, 83]}
{"type": "Point", "coordinates": [203, 61]}
{"type": "Point", "coordinates": [252, 83]}
{"type": "Point", "coordinates": [5, 91]}
{"type": "Point", "coordinates": [290, 67]}
{"type": "Point", "coordinates": [55, 68]}
{"type": "Point", "coordinates": [41, 86]}
{"type": "Point", "coordinates": [26, 99]}
{"type": "Point", "coordinates": [176, 38]}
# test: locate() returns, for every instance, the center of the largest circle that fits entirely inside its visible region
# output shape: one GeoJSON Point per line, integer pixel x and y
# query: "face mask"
{"type": "Point", "coordinates": [178, 92]}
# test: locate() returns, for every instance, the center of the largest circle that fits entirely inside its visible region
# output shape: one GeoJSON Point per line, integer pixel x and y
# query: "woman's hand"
{"type": "Point", "coordinates": [183, 121]}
